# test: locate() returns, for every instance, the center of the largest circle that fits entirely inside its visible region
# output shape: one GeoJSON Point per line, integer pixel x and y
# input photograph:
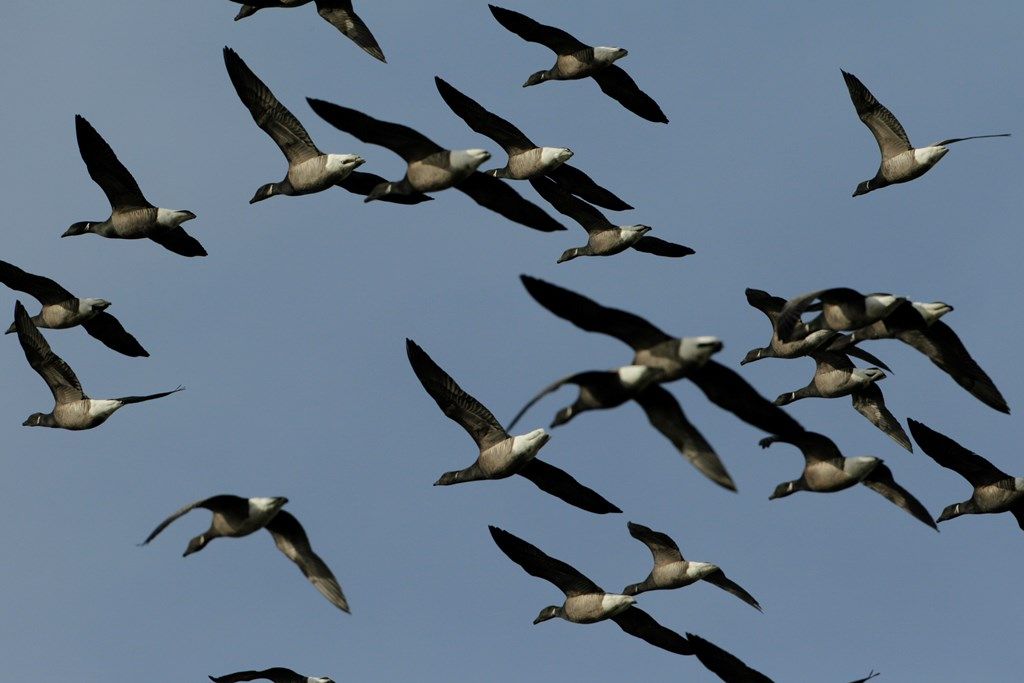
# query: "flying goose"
{"type": "Point", "coordinates": [729, 668]}
{"type": "Point", "coordinates": [338, 13]}
{"type": "Point", "coordinates": [674, 358]}
{"type": "Point", "coordinates": [525, 159]}
{"type": "Point", "coordinates": [826, 470]}
{"type": "Point", "coordinates": [672, 571]}
{"type": "Point", "coordinates": [585, 601]}
{"type": "Point", "coordinates": [131, 216]}
{"type": "Point", "coordinates": [841, 309]}
{"type": "Point", "coordinates": [72, 408]}
{"type": "Point", "coordinates": [603, 237]}
{"type": "Point", "coordinates": [994, 490]}
{"type": "Point", "coordinates": [432, 168]}
{"type": "Point", "coordinates": [917, 324]}
{"type": "Point", "coordinates": [900, 161]}
{"type": "Point", "coordinates": [277, 674]}
{"type": "Point", "coordinates": [309, 169]}
{"type": "Point", "coordinates": [836, 376]}
{"type": "Point", "coordinates": [823, 339]}
{"type": "Point", "coordinates": [579, 60]}
{"type": "Point", "coordinates": [501, 455]}
{"type": "Point", "coordinates": [62, 309]}
{"type": "Point", "coordinates": [234, 517]}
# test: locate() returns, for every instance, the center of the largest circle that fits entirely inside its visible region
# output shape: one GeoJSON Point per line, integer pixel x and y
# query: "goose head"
{"type": "Point", "coordinates": [79, 228]}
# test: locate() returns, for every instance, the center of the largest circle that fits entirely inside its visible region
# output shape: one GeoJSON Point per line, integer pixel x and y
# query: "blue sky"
{"type": "Point", "coordinates": [290, 339]}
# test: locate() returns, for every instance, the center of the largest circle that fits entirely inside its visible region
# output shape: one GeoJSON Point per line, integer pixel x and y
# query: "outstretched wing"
{"type": "Point", "coordinates": [402, 140]}
{"type": "Point", "coordinates": [536, 563]}
{"type": "Point", "coordinates": [618, 85]}
{"type": "Point", "coordinates": [951, 455]}
{"type": "Point", "coordinates": [290, 538]}
{"type": "Point", "coordinates": [888, 132]}
{"type": "Point", "coordinates": [662, 547]}
{"type": "Point", "coordinates": [526, 28]}
{"type": "Point", "coordinates": [57, 374]}
{"type": "Point", "coordinates": [106, 169]}
{"type": "Point", "coordinates": [880, 481]}
{"type": "Point", "coordinates": [561, 484]}
{"type": "Point", "coordinates": [482, 121]}
{"type": "Point", "coordinates": [340, 15]}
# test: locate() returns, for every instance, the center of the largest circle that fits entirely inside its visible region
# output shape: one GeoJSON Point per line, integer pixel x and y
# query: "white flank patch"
{"type": "Point", "coordinates": [614, 604]}
{"type": "Point", "coordinates": [261, 507]}
{"type": "Point", "coordinates": [876, 304]}
{"type": "Point", "coordinates": [551, 157]}
{"type": "Point", "coordinates": [929, 156]}
{"type": "Point", "coordinates": [698, 570]}
{"type": "Point", "coordinates": [528, 444]}
{"type": "Point", "coordinates": [102, 407]}
{"type": "Point", "coordinates": [860, 467]}
{"type": "Point", "coordinates": [697, 349]}
{"type": "Point", "coordinates": [462, 159]}
{"type": "Point", "coordinates": [608, 54]}
{"type": "Point", "coordinates": [336, 163]}
{"type": "Point", "coordinates": [633, 375]}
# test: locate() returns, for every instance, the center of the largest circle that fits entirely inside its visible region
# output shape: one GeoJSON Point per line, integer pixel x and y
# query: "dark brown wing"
{"type": "Point", "coordinates": [788, 325]}
{"type": "Point", "coordinates": [953, 456]}
{"type": "Point", "coordinates": [536, 563]}
{"type": "Point", "coordinates": [727, 390]}
{"type": "Point", "coordinates": [526, 28]}
{"type": "Point", "coordinates": [590, 218]}
{"type": "Point", "coordinates": [591, 316]}
{"type": "Point", "coordinates": [814, 447]}
{"type": "Point", "coordinates": [561, 484]}
{"type": "Point", "coordinates": [106, 169]}
{"type": "Point", "coordinates": [495, 195]}
{"type": "Point", "coordinates": [235, 505]}
{"type": "Point", "coordinates": [340, 15]}
{"type": "Point", "coordinates": [665, 414]}
{"type": "Point", "coordinates": [402, 140]}
{"type": "Point", "coordinates": [179, 241]}
{"type": "Point", "coordinates": [663, 549]}
{"type": "Point", "coordinates": [639, 623]}
{"type": "Point", "coordinates": [888, 132]}
{"type": "Point", "coordinates": [725, 583]}
{"type": "Point", "coordinates": [45, 290]}
{"type": "Point", "coordinates": [459, 406]}
{"type": "Point", "coordinates": [269, 114]}
{"type": "Point", "coordinates": [584, 187]}
{"type": "Point", "coordinates": [880, 481]}
{"type": "Point", "coordinates": [618, 85]}
{"type": "Point", "coordinates": [723, 664]}
{"type": "Point", "coordinates": [57, 374]}
{"type": "Point", "coordinates": [361, 183]}
{"type": "Point", "coordinates": [277, 674]}
{"type": "Point", "coordinates": [770, 305]}
{"type": "Point", "coordinates": [109, 330]}
{"type": "Point", "coordinates": [660, 247]}
{"type": "Point", "coordinates": [578, 378]}
{"type": "Point", "coordinates": [482, 121]}
{"type": "Point", "coordinates": [290, 538]}
{"type": "Point", "coordinates": [870, 403]}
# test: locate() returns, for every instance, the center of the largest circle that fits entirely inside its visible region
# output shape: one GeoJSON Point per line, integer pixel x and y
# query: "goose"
{"type": "Point", "coordinates": [900, 161]}
{"type": "Point", "coordinates": [234, 517]}
{"type": "Point", "coordinates": [841, 309]}
{"type": "Point", "coordinates": [277, 674]}
{"type": "Point", "coordinates": [432, 168]}
{"type": "Point", "coordinates": [836, 376]}
{"type": "Point", "coordinates": [823, 339]}
{"type": "Point", "coordinates": [585, 601]}
{"type": "Point", "coordinates": [826, 471]}
{"type": "Point", "coordinates": [729, 668]}
{"type": "Point", "coordinates": [671, 570]}
{"type": "Point", "coordinates": [62, 309]}
{"type": "Point", "coordinates": [501, 455]}
{"type": "Point", "coordinates": [603, 237]}
{"type": "Point", "coordinates": [525, 159]}
{"type": "Point", "coordinates": [131, 216]}
{"type": "Point", "coordinates": [309, 169]}
{"type": "Point", "coordinates": [994, 490]}
{"type": "Point", "coordinates": [579, 60]}
{"type": "Point", "coordinates": [338, 13]}
{"type": "Point", "coordinates": [917, 324]}
{"type": "Point", "coordinates": [72, 409]}
{"type": "Point", "coordinates": [674, 358]}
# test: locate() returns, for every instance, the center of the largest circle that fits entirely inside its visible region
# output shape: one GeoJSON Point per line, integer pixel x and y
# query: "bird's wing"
{"type": "Point", "coordinates": [42, 288]}
{"type": "Point", "coordinates": [340, 15]}
{"type": "Point", "coordinates": [888, 132]}
{"type": "Point", "coordinates": [561, 484]}
{"type": "Point", "coordinates": [361, 183]}
{"type": "Point", "coordinates": [951, 455]}
{"type": "Point", "coordinates": [719, 579]}
{"type": "Point", "coordinates": [663, 549]}
{"type": "Point", "coordinates": [591, 316]}
{"type": "Point", "coordinates": [770, 305]}
{"type": "Point", "coordinates": [880, 481]}
{"type": "Point", "coordinates": [268, 113]}
{"type": "Point", "coordinates": [493, 194]}
{"type": "Point", "coordinates": [109, 330]}
{"type": "Point", "coordinates": [950, 141]}
{"type": "Point", "coordinates": [57, 374]}
{"type": "Point", "coordinates": [222, 502]}
{"type": "Point", "coordinates": [402, 140]}
{"type": "Point", "coordinates": [179, 241]}
{"type": "Point", "coordinates": [723, 664]}
{"type": "Point", "coordinates": [566, 204]}
{"type": "Point", "coordinates": [665, 415]}
{"type": "Point", "coordinates": [583, 186]}
{"type": "Point", "coordinates": [639, 623]}
{"type": "Point", "coordinates": [618, 85]}
{"type": "Point", "coordinates": [726, 389]}
{"type": "Point", "coordinates": [789, 326]}
{"type": "Point", "coordinates": [814, 447]}
{"type": "Point", "coordinates": [278, 674]}
{"type": "Point", "coordinates": [106, 169]}
{"type": "Point", "coordinates": [536, 563]}
{"type": "Point", "coordinates": [660, 247]}
{"type": "Point", "coordinates": [482, 121]}
{"type": "Point", "coordinates": [459, 406]}
{"type": "Point", "coordinates": [870, 403]}
{"type": "Point", "coordinates": [526, 28]}
{"type": "Point", "coordinates": [554, 386]}
{"type": "Point", "coordinates": [290, 538]}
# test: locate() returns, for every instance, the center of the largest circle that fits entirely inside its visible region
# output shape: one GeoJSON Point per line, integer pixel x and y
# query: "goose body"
{"type": "Point", "coordinates": [841, 308]}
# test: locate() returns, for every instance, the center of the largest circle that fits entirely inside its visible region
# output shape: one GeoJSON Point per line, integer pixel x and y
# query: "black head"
{"type": "Point", "coordinates": [447, 479]}
{"type": "Point", "coordinates": [752, 355]}
{"type": "Point", "coordinates": [863, 188]}
{"type": "Point", "coordinates": [38, 420]}
{"type": "Point", "coordinates": [265, 192]}
{"type": "Point", "coordinates": [563, 416]}
{"type": "Point", "coordinates": [378, 191]}
{"type": "Point", "coordinates": [633, 589]}
{"type": "Point", "coordinates": [784, 399]}
{"type": "Point", "coordinates": [196, 544]}
{"type": "Point", "coordinates": [536, 78]}
{"type": "Point", "coordinates": [784, 489]}
{"type": "Point", "coordinates": [955, 510]}
{"type": "Point", "coordinates": [246, 11]}
{"type": "Point", "coordinates": [79, 228]}
{"type": "Point", "coordinates": [550, 612]}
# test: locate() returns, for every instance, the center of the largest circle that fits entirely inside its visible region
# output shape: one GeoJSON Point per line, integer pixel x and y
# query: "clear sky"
{"type": "Point", "coordinates": [290, 339]}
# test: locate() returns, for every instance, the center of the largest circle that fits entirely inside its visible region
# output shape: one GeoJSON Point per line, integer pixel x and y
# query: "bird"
{"type": "Point", "coordinates": [579, 60]}
{"type": "Point", "coordinates": [309, 169]}
{"type": "Point", "coordinates": [842, 308]}
{"type": "Point", "coordinates": [826, 471]}
{"type": "Point", "coordinates": [585, 601]}
{"type": "Point", "coordinates": [234, 517]}
{"type": "Point", "coordinates": [836, 376]}
{"type": "Point", "coordinates": [994, 490]}
{"type": "Point", "coordinates": [917, 324]}
{"type": "Point", "coordinates": [501, 454]}
{"type": "Point", "coordinates": [62, 309]}
{"type": "Point", "coordinates": [729, 668]}
{"type": "Point", "coordinates": [131, 216]}
{"type": "Point", "coordinates": [603, 237]}
{"type": "Point", "coordinates": [525, 159]}
{"type": "Point", "coordinates": [72, 409]}
{"type": "Point", "coordinates": [432, 168]}
{"type": "Point", "coordinates": [338, 13]}
{"type": "Point", "coordinates": [277, 674]}
{"type": "Point", "coordinates": [671, 570]}
{"type": "Point", "coordinates": [900, 161]}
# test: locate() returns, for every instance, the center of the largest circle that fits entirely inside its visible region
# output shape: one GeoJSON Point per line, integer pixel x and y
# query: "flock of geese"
{"type": "Point", "coordinates": [829, 326]}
